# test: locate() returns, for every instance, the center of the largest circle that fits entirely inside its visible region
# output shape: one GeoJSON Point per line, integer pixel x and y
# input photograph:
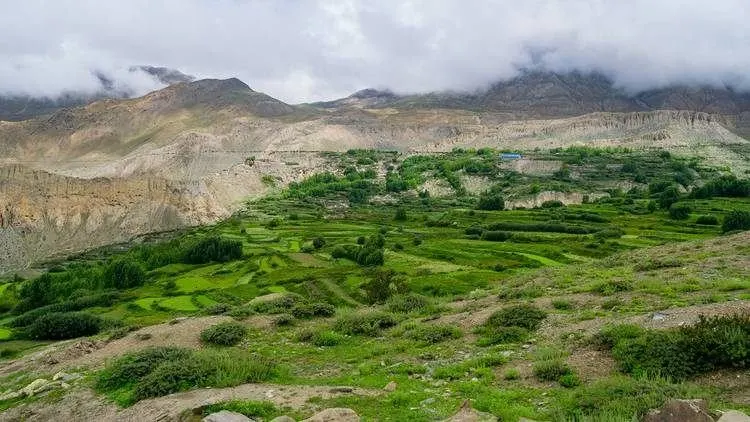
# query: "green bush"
{"type": "Point", "coordinates": [569, 380]}
{"type": "Point", "coordinates": [707, 220]}
{"type": "Point", "coordinates": [367, 323]}
{"type": "Point", "coordinates": [171, 377]}
{"type": "Point", "coordinates": [123, 274]}
{"type": "Point", "coordinates": [224, 334]}
{"type": "Point", "coordinates": [382, 285]}
{"type": "Point", "coordinates": [496, 235]}
{"type": "Point", "coordinates": [64, 325]}
{"type": "Point", "coordinates": [679, 211]}
{"type": "Point", "coordinates": [400, 214]}
{"type": "Point", "coordinates": [684, 352]}
{"type": "Point", "coordinates": [407, 303]}
{"type": "Point", "coordinates": [309, 310]}
{"type": "Point", "coordinates": [250, 408]}
{"type": "Point", "coordinates": [100, 299]}
{"type": "Point", "coordinates": [502, 335]}
{"type": "Point", "coordinates": [217, 308]}
{"type": "Point", "coordinates": [130, 368]}
{"type": "Point", "coordinates": [491, 201]}
{"type": "Point", "coordinates": [562, 305]}
{"type": "Point", "coordinates": [327, 338]}
{"type": "Point", "coordinates": [318, 242]}
{"type": "Point", "coordinates": [736, 220]}
{"type": "Point", "coordinates": [283, 303]}
{"type": "Point", "coordinates": [552, 204]}
{"type": "Point", "coordinates": [524, 316]}
{"type": "Point", "coordinates": [551, 370]}
{"type": "Point", "coordinates": [433, 333]}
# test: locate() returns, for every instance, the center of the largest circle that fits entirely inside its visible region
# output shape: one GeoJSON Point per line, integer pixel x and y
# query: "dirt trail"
{"type": "Point", "coordinates": [84, 405]}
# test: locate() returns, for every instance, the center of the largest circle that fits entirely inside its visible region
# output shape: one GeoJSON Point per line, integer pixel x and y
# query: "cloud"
{"type": "Point", "coordinates": [307, 50]}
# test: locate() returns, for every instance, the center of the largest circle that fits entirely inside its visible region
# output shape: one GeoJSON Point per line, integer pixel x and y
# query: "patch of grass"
{"type": "Point", "coordinates": [365, 323]}
{"type": "Point", "coordinates": [431, 334]}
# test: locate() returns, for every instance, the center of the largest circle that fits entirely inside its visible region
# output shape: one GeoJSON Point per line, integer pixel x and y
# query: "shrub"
{"type": "Point", "coordinates": [736, 220]}
{"type": "Point", "coordinates": [512, 374]}
{"type": "Point", "coordinates": [610, 335]}
{"type": "Point", "coordinates": [551, 370]}
{"type": "Point", "coordinates": [64, 325]}
{"type": "Point", "coordinates": [250, 408]}
{"type": "Point", "coordinates": [400, 215]}
{"type": "Point", "coordinates": [123, 274]}
{"type": "Point", "coordinates": [382, 285]}
{"type": "Point", "coordinates": [318, 242]}
{"type": "Point", "coordinates": [224, 334]}
{"type": "Point", "coordinates": [130, 368]}
{"type": "Point", "coordinates": [171, 377]}
{"type": "Point", "coordinates": [283, 320]}
{"type": "Point", "coordinates": [409, 302]}
{"type": "Point", "coordinates": [524, 316]}
{"type": "Point", "coordinates": [613, 286]}
{"type": "Point", "coordinates": [433, 333]}
{"type": "Point", "coordinates": [496, 235]}
{"type": "Point", "coordinates": [502, 335]}
{"type": "Point", "coordinates": [684, 352]}
{"type": "Point", "coordinates": [679, 211]}
{"type": "Point", "coordinates": [563, 305]}
{"type": "Point", "coordinates": [552, 204]}
{"type": "Point", "coordinates": [368, 323]}
{"type": "Point", "coordinates": [707, 220]}
{"type": "Point", "coordinates": [217, 308]}
{"type": "Point", "coordinates": [309, 310]}
{"type": "Point", "coordinates": [491, 201]}
{"type": "Point", "coordinates": [327, 338]}
{"type": "Point", "coordinates": [569, 380]}
{"type": "Point", "coordinates": [100, 299]}
{"type": "Point", "coordinates": [474, 230]}
{"type": "Point", "coordinates": [277, 305]}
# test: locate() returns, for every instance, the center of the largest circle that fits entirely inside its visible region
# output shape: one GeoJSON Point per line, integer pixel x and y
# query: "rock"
{"type": "Point", "coordinates": [65, 377]}
{"type": "Point", "coordinates": [283, 419]}
{"type": "Point", "coordinates": [144, 336]}
{"type": "Point", "coordinates": [391, 386]}
{"type": "Point", "coordinates": [226, 416]}
{"type": "Point", "coordinates": [680, 411]}
{"type": "Point", "coordinates": [336, 414]}
{"type": "Point", "coordinates": [467, 414]}
{"type": "Point", "coordinates": [11, 395]}
{"type": "Point", "coordinates": [34, 387]}
{"type": "Point", "coordinates": [733, 416]}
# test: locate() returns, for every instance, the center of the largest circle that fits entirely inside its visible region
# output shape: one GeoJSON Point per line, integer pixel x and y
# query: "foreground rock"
{"type": "Point", "coordinates": [334, 415]}
{"type": "Point", "coordinates": [226, 416]}
{"type": "Point", "coordinates": [733, 416]}
{"type": "Point", "coordinates": [680, 411]}
{"type": "Point", "coordinates": [467, 414]}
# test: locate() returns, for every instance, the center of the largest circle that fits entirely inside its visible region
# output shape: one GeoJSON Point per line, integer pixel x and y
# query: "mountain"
{"type": "Point", "coordinates": [193, 152]}
{"type": "Point", "coordinates": [538, 94]}
{"type": "Point", "coordinates": [15, 107]}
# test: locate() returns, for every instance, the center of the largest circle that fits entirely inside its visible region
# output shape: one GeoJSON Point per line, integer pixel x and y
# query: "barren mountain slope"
{"type": "Point", "coordinates": [180, 156]}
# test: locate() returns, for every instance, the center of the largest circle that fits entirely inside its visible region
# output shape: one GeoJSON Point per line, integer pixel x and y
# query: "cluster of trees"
{"type": "Point", "coordinates": [368, 254]}
{"type": "Point", "coordinates": [357, 185]}
{"type": "Point", "coordinates": [727, 186]}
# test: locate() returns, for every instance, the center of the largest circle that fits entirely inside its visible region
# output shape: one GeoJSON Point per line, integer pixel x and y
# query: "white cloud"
{"type": "Point", "coordinates": [305, 50]}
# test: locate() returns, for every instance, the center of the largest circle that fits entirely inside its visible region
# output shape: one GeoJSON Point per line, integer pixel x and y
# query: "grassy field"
{"type": "Point", "coordinates": [435, 268]}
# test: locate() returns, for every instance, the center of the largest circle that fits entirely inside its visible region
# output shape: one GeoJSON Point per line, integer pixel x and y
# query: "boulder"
{"type": "Point", "coordinates": [65, 377]}
{"type": "Point", "coordinates": [36, 386]}
{"type": "Point", "coordinates": [391, 386]}
{"type": "Point", "coordinates": [336, 414]}
{"type": "Point", "coordinates": [282, 419]}
{"type": "Point", "coordinates": [467, 414]}
{"type": "Point", "coordinates": [226, 416]}
{"type": "Point", "coordinates": [10, 395]}
{"type": "Point", "coordinates": [733, 416]}
{"type": "Point", "coordinates": [680, 411]}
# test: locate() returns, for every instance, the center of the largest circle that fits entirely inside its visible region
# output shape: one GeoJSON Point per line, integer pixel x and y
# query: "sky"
{"type": "Point", "coordinates": [312, 50]}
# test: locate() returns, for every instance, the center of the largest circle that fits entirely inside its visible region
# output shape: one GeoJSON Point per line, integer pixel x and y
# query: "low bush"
{"type": "Point", "coordinates": [217, 308]}
{"type": "Point", "coordinates": [613, 286]}
{"type": "Point", "coordinates": [496, 235]}
{"type": "Point", "coordinates": [512, 374]}
{"type": "Point", "coordinates": [707, 220]}
{"type": "Point", "coordinates": [224, 334]}
{"type": "Point", "coordinates": [64, 325]}
{"type": "Point", "coordinates": [309, 310]}
{"type": "Point", "coordinates": [276, 305]}
{"type": "Point", "coordinates": [502, 335]}
{"type": "Point", "coordinates": [433, 333]}
{"type": "Point", "coordinates": [409, 302]}
{"type": "Point", "coordinates": [552, 204]}
{"type": "Point", "coordinates": [551, 370]}
{"type": "Point", "coordinates": [263, 410]}
{"type": "Point", "coordinates": [100, 299]}
{"type": "Point", "coordinates": [491, 201]}
{"type": "Point", "coordinates": [684, 352]}
{"type": "Point", "coordinates": [562, 305]}
{"type": "Point", "coordinates": [159, 371]}
{"type": "Point", "coordinates": [679, 211]}
{"type": "Point", "coordinates": [213, 248]}
{"type": "Point", "coordinates": [524, 316]}
{"type": "Point", "coordinates": [327, 338]}
{"type": "Point", "coordinates": [368, 323]}
{"type": "Point", "coordinates": [736, 220]}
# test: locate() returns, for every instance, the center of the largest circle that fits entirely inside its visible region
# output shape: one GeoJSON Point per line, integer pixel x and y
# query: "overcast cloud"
{"type": "Point", "coordinates": [307, 50]}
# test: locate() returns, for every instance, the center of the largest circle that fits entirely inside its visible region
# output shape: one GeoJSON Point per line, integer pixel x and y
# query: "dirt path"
{"type": "Point", "coordinates": [83, 405]}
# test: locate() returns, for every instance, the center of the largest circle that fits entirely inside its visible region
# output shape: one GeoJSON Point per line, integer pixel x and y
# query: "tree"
{"type": "Point", "coordinates": [383, 285]}
{"type": "Point", "coordinates": [491, 201]}
{"type": "Point", "coordinates": [123, 274]}
{"type": "Point", "coordinates": [400, 214]}
{"type": "Point", "coordinates": [669, 196]}
{"type": "Point", "coordinates": [736, 220]}
{"type": "Point", "coordinates": [679, 211]}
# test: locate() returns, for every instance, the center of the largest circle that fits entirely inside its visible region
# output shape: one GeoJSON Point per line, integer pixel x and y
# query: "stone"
{"type": "Point", "coordinates": [226, 416]}
{"type": "Point", "coordinates": [391, 386]}
{"type": "Point", "coordinates": [467, 414]}
{"type": "Point", "coordinates": [676, 410]}
{"type": "Point", "coordinates": [11, 395]}
{"type": "Point", "coordinates": [283, 419]}
{"type": "Point", "coordinates": [34, 387]}
{"type": "Point", "coordinates": [733, 416]}
{"type": "Point", "coordinates": [336, 414]}
{"type": "Point", "coordinates": [65, 377]}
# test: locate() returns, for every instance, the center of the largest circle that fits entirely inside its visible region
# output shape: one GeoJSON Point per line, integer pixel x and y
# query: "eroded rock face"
{"type": "Point", "coordinates": [676, 410]}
